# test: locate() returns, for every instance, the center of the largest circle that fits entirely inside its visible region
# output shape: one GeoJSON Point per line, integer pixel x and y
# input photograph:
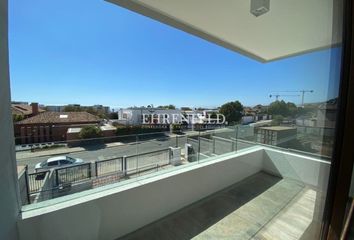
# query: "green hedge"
{"type": "Point", "coordinates": [90, 132]}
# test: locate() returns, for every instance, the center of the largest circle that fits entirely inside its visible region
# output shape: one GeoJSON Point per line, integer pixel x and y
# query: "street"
{"type": "Point", "coordinates": [91, 155]}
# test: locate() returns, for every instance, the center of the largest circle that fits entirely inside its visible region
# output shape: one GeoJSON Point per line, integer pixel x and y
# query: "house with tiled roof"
{"type": "Point", "coordinates": [51, 126]}
{"type": "Point", "coordinates": [26, 110]}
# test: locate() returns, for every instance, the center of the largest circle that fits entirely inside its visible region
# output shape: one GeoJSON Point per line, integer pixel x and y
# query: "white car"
{"type": "Point", "coordinates": [60, 161]}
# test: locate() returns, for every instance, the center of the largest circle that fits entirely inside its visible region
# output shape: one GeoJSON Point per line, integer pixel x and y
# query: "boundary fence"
{"type": "Point", "coordinates": [101, 171]}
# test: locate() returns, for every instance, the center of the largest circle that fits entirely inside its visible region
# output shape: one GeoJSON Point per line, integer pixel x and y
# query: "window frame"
{"type": "Point", "coordinates": [343, 154]}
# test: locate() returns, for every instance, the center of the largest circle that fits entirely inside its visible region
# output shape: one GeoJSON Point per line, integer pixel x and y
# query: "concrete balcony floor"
{"type": "Point", "coordinates": [260, 207]}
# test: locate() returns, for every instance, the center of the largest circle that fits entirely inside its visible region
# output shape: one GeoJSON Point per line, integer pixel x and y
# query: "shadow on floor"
{"type": "Point", "coordinates": [194, 219]}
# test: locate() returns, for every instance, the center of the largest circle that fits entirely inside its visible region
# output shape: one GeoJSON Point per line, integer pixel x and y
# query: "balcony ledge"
{"type": "Point", "coordinates": [115, 210]}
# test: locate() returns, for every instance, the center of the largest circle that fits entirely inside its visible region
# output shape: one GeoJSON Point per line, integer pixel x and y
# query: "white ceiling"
{"type": "Point", "coordinates": [291, 27]}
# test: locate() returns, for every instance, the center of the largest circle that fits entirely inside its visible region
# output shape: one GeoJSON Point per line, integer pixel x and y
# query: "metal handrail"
{"type": "Point", "coordinates": [148, 153]}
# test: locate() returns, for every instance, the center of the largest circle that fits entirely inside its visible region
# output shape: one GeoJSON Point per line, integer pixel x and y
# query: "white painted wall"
{"type": "Point", "coordinates": [311, 172]}
{"type": "Point", "coordinates": [9, 192]}
{"type": "Point", "coordinates": [133, 116]}
{"type": "Point", "coordinates": [305, 169]}
{"type": "Point", "coordinates": [247, 119]}
{"type": "Point", "coordinates": [117, 214]}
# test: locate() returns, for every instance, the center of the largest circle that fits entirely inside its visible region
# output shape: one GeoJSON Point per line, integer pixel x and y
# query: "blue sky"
{"type": "Point", "coordinates": [93, 52]}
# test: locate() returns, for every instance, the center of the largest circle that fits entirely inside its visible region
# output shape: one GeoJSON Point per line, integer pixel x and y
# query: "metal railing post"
{"type": "Point", "coordinates": [56, 177]}
{"type": "Point", "coordinates": [236, 131]}
{"type": "Point", "coordinates": [125, 172]}
{"type": "Point", "coordinates": [96, 168]}
{"type": "Point", "coordinates": [137, 153]}
{"type": "Point", "coordinates": [90, 170]}
{"type": "Point", "coordinates": [213, 144]}
{"type": "Point", "coordinates": [170, 153]}
{"type": "Point", "coordinates": [198, 154]}
{"type": "Point", "coordinates": [27, 185]}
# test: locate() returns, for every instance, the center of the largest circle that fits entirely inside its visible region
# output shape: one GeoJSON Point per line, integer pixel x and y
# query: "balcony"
{"type": "Point", "coordinates": [258, 207]}
{"type": "Point", "coordinates": [223, 188]}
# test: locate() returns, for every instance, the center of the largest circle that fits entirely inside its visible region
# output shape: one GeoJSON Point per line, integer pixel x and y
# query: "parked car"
{"type": "Point", "coordinates": [59, 161]}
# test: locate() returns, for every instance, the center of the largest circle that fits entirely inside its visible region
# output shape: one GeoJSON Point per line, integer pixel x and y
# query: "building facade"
{"type": "Point", "coordinates": [135, 116]}
{"type": "Point", "coordinates": [51, 126]}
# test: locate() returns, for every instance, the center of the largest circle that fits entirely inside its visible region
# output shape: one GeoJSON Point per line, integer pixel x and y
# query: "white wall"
{"type": "Point", "coordinates": [9, 192]}
{"type": "Point", "coordinates": [117, 214]}
{"type": "Point", "coordinates": [305, 169]}
{"type": "Point", "coordinates": [134, 115]}
{"type": "Point", "coordinates": [309, 171]}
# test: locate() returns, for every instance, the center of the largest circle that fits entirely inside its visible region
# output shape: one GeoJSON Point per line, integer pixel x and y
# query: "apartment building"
{"type": "Point", "coordinates": [154, 116]}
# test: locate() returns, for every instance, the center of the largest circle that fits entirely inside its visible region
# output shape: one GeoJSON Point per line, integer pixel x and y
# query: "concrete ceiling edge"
{"type": "Point", "coordinates": [157, 15]}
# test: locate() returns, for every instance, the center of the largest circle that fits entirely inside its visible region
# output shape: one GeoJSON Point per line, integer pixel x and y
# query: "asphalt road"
{"type": "Point", "coordinates": [93, 154]}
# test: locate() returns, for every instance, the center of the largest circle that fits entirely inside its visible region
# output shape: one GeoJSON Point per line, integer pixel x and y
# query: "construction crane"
{"type": "Point", "coordinates": [302, 95]}
{"type": "Point", "coordinates": [278, 95]}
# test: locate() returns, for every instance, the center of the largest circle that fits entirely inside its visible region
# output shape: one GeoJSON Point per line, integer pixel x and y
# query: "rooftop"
{"type": "Point", "coordinates": [56, 117]}
{"type": "Point", "coordinates": [23, 109]}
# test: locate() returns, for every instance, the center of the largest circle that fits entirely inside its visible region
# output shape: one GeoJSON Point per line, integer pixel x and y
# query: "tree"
{"type": "Point", "coordinates": [91, 110]}
{"type": "Point", "coordinates": [72, 108]}
{"type": "Point", "coordinates": [17, 117]}
{"type": "Point", "coordinates": [292, 108]}
{"type": "Point", "coordinates": [232, 111]}
{"type": "Point", "coordinates": [173, 107]}
{"type": "Point", "coordinates": [90, 132]}
{"type": "Point", "coordinates": [168, 107]}
{"type": "Point", "coordinates": [284, 109]}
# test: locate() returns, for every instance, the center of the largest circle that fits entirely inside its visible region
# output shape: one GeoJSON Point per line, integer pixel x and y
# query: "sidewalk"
{"type": "Point", "coordinates": [66, 150]}
{"type": "Point", "coordinates": [58, 151]}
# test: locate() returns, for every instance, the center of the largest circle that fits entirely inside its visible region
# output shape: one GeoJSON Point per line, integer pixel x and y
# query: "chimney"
{"type": "Point", "coordinates": [34, 109]}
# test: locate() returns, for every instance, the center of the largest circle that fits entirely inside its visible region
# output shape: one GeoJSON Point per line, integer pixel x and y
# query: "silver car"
{"type": "Point", "coordinates": [59, 161]}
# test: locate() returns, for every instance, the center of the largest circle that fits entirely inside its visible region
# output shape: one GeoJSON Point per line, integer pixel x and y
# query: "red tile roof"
{"type": "Point", "coordinates": [23, 109]}
{"type": "Point", "coordinates": [61, 117]}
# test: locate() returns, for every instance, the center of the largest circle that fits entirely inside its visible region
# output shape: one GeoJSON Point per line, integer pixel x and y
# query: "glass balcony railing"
{"type": "Point", "coordinates": [55, 169]}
